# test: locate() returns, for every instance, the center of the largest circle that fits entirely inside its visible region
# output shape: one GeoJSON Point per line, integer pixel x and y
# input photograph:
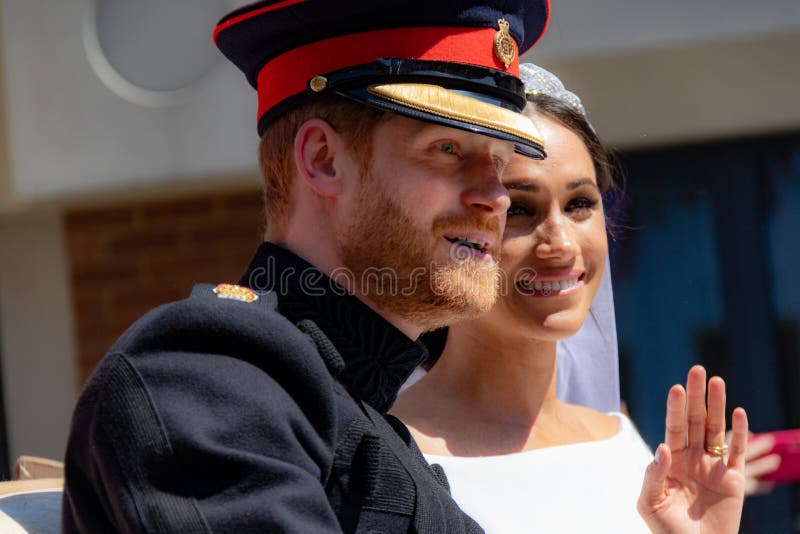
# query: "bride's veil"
{"type": "Point", "coordinates": [588, 362]}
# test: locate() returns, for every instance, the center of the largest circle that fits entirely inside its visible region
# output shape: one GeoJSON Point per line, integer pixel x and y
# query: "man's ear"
{"type": "Point", "coordinates": [316, 145]}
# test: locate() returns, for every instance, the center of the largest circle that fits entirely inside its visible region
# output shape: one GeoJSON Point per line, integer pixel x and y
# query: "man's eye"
{"type": "Point", "coordinates": [448, 148]}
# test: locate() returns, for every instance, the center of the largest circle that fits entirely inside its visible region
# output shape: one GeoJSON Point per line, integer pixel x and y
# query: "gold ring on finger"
{"type": "Point", "coordinates": [717, 450]}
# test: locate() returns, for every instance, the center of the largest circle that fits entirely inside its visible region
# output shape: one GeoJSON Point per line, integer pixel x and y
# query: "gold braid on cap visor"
{"type": "Point", "coordinates": [440, 101]}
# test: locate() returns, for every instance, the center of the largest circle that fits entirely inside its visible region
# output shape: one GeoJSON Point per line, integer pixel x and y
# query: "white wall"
{"type": "Point", "coordinates": [580, 28]}
{"type": "Point", "coordinates": [38, 356]}
{"type": "Point", "coordinates": [77, 126]}
{"type": "Point", "coordinates": [652, 72]}
{"type": "Point", "coordinates": [694, 92]}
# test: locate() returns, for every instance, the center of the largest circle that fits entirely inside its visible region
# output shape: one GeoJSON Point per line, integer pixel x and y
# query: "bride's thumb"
{"type": "Point", "coordinates": [653, 488]}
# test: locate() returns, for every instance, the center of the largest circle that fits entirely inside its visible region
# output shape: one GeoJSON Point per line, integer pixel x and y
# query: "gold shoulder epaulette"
{"type": "Point", "coordinates": [234, 292]}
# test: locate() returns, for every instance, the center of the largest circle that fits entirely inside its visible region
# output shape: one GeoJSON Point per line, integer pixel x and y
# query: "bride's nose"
{"type": "Point", "coordinates": [556, 239]}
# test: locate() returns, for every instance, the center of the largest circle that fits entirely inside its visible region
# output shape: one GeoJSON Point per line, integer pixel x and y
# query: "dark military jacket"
{"type": "Point", "coordinates": [219, 415]}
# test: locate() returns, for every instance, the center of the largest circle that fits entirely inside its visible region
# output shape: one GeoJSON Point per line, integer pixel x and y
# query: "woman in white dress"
{"type": "Point", "coordinates": [517, 458]}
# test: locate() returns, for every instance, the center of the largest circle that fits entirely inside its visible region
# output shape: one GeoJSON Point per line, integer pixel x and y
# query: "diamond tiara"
{"type": "Point", "coordinates": [541, 81]}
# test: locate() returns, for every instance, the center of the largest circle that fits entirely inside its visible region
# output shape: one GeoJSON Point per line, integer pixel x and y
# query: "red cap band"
{"type": "Point", "coordinates": [288, 74]}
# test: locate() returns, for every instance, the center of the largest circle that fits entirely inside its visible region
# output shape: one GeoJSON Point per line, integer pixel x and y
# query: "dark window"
{"type": "Point", "coordinates": [705, 273]}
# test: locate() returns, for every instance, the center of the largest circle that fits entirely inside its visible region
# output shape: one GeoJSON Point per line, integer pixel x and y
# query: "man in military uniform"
{"type": "Point", "coordinates": [262, 407]}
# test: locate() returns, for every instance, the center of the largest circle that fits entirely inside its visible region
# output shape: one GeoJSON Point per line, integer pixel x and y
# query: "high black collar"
{"type": "Point", "coordinates": [378, 358]}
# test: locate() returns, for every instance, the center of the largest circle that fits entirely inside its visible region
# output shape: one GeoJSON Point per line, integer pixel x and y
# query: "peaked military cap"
{"type": "Point", "coordinates": [451, 62]}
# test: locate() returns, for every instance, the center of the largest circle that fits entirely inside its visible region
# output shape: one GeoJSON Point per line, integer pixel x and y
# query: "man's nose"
{"type": "Point", "coordinates": [484, 190]}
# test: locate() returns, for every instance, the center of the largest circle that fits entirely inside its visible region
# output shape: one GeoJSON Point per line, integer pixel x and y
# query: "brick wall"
{"type": "Point", "coordinates": [125, 260]}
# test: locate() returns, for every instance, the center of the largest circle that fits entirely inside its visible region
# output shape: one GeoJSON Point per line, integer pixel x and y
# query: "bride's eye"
{"type": "Point", "coordinates": [516, 209]}
{"type": "Point", "coordinates": [582, 204]}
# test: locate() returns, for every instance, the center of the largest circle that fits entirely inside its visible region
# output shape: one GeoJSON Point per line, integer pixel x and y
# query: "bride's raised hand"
{"type": "Point", "coordinates": [690, 487]}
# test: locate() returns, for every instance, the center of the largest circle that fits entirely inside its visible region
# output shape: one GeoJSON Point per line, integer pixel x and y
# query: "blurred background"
{"type": "Point", "coordinates": [128, 172]}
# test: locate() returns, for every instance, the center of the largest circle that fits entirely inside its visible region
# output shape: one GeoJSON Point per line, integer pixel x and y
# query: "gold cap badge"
{"type": "Point", "coordinates": [504, 47]}
{"type": "Point", "coordinates": [233, 292]}
{"type": "Point", "coordinates": [318, 83]}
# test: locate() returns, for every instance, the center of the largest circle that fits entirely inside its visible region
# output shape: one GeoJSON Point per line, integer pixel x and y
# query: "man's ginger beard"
{"type": "Point", "coordinates": [392, 260]}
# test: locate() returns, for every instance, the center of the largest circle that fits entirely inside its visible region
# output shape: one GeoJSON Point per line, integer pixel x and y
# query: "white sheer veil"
{"type": "Point", "coordinates": [588, 362]}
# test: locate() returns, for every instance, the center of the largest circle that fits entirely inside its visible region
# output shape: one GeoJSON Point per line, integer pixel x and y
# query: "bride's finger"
{"type": "Point", "coordinates": [675, 432]}
{"type": "Point", "coordinates": [738, 445]}
{"type": "Point", "coordinates": [715, 420]}
{"type": "Point", "coordinates": [696, 406]}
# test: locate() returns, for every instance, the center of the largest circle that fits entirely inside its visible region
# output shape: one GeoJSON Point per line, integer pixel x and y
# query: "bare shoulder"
{"type": "Point", "coordinates": [598, 425]}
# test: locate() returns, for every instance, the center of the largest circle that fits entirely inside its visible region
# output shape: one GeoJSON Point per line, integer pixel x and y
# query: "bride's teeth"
{"type": "Point", "coordinates": [553, 286]}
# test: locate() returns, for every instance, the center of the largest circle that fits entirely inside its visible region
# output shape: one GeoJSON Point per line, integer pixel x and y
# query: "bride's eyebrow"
{"type": "Point", "coordinates": [580, 183]}
{"type": "Point", "coordinates": [522, 186]}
